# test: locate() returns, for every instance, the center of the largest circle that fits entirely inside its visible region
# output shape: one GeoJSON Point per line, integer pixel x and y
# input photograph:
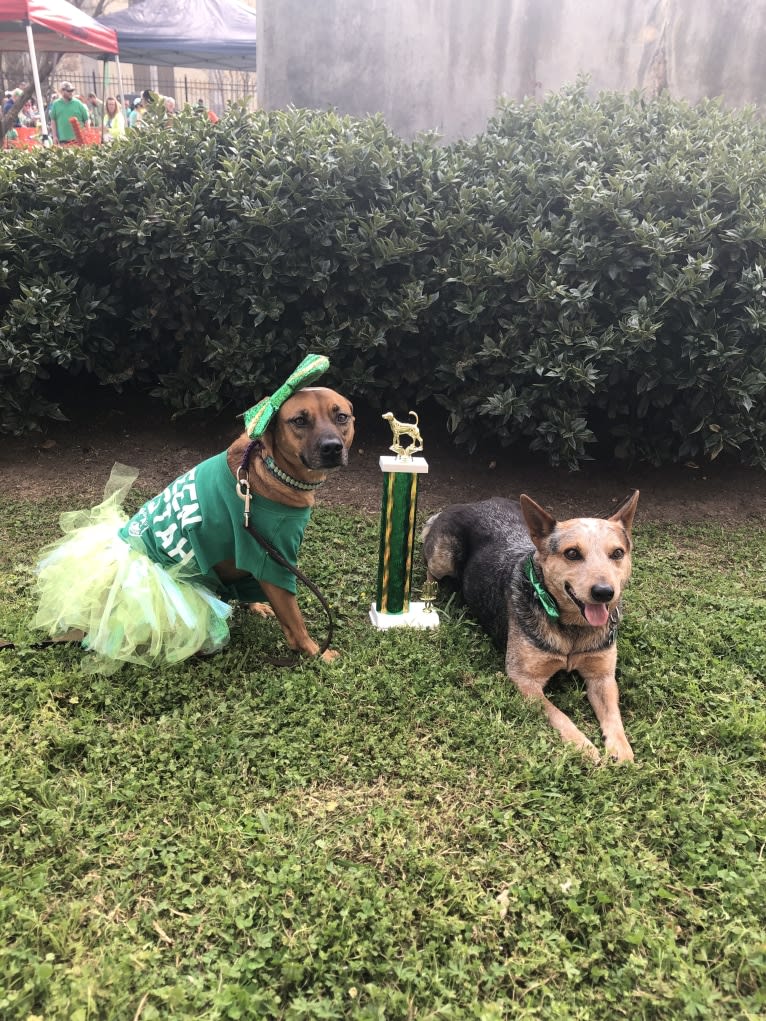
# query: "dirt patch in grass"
{"type": "Point", "coordinates": [74, 459]}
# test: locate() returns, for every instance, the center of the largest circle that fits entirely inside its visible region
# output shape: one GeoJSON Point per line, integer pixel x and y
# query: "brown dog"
{"type": "Point", "coordinates": [310, 435]}
{"type": "Point", "coordinates": [548, 592]}
{"type": "Point", "coordinates": [158, 585]}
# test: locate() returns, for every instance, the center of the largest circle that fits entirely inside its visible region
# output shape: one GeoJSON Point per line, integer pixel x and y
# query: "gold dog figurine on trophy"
{"type": "Point", "coordinates": [409, 430]}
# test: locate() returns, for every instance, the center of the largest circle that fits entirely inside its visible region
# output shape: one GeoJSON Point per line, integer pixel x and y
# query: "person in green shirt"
{"type": "Point", "coordinates": [61, 112]}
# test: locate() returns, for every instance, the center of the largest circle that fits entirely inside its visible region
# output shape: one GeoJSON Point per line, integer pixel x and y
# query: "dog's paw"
{"type": "Point", "coordinates": [329, 655]}
{"type": "Point", "coordinates": [574, 736]}
{"type": "Point", "coordinates": [589, 751]}
{"type": "Point", "coordinates": [618, 750]}
{"type": "Point", "coordinates": [261, 609]}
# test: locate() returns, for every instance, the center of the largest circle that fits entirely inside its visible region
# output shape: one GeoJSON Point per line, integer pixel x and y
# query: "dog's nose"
{"type": "Point", "coordinates": [330, 447]}
{"type": "Point", "coordinates": [602, 593]}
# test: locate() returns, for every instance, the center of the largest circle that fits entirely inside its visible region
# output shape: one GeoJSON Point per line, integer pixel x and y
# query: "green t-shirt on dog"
{"type": "Point", "coordinates": [197, 522]}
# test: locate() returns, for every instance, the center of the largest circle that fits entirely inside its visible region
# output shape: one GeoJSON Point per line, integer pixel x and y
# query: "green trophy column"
{"type": "Point", "coordinates": [397, 529]}
{"type": "Point", "coordinates": [393, 606]}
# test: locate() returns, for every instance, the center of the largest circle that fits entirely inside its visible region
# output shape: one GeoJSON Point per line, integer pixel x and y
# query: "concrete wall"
{"type": "Point", "coordinates": [442, 64]}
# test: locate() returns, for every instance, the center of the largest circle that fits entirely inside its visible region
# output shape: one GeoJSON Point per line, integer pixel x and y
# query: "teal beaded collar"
{"type": "Point", "coordinates": [276, 471]}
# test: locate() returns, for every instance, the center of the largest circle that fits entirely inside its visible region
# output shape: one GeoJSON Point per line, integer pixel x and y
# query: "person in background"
{"type": "Point", "coordinates": [29, 116]}
{"type": "Point", "coordinates": [211, 115]}
{"type": "Point", "coordinates": [64, 108]}
{"type": "Point", "coordinates": [153, 107]}
{"type": "Point", "coordinates": [134, 117]}
{"type": "Point", "coordinates": [7, 104]}
{"type": "Point", "coordinates": [114, 122]}
{"type": "Point", "coordinates": [170, 106]}
{"type": "Point", "coordinates": [94, 110]}
{"type": "Point", "coordinates": [10, 100]}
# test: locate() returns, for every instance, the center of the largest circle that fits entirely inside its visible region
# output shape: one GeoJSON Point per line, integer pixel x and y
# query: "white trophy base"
{"type": "Point", "coordinates": [408, 465]}
{"type": "Point", "coordinates": [416, 616]}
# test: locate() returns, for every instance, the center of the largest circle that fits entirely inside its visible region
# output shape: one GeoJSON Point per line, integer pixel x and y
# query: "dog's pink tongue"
{"type": "Point", "coordinates": [596, 614]}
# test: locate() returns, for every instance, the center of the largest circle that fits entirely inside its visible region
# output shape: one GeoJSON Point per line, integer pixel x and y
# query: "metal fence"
{"type": "Point", "coordinates": [214, 92]}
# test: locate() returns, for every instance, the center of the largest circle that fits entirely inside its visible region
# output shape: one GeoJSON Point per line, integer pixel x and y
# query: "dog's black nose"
{"type": "Point", "coordinates": [602, 593]}
{"type": "Point", "coordinates": [331, 447]}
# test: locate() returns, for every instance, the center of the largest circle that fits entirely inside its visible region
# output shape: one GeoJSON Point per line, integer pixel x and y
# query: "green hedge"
{"type": "Point", "coordinates": [586, 275]}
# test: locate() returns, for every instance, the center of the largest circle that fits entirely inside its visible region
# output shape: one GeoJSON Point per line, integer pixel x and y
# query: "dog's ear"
{"type": "Point", "coordinates": [539, 522]}
{"type": "Point", "coordinates": [626, 511]}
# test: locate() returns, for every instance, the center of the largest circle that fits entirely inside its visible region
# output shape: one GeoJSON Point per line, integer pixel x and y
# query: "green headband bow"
{"type": "Point", "coordinates": [259, 416]}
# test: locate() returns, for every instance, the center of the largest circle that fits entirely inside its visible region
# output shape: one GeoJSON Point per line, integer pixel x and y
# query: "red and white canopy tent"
{"type": "Point", "coordinates": [59, 27]}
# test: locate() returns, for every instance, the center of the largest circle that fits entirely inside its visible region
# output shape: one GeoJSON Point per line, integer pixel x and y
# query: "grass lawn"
{"type": "Point", "coordinates": [395, 835]}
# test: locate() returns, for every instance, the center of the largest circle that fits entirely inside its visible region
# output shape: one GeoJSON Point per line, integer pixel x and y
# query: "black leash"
{"type": "Point", "coordinates": [243, 491]}
{"type": "Point", "coordinates": [277, 556]}
{"type": "Point", "coordinates": [73, 637]}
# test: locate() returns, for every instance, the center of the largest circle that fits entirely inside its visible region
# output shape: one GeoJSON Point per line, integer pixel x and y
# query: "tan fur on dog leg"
{"type": "Point", "coordinates": [261, 610]}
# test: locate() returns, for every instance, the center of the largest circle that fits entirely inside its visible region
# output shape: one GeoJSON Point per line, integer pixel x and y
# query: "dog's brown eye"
{"type": "Point", "coordinates": [617, 554]}
{"type": "Point", "coordinates": [342, 418]}
{"type": "Point", "coordinates": [300, 421]}
{"type": "Point", "coordinates": [573, 553]}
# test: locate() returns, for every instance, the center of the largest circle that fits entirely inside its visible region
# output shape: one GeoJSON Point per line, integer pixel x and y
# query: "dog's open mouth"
{"type": "Point", "coordinates": [596, 614]}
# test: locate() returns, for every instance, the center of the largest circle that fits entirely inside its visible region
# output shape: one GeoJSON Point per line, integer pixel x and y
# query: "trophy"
{"type": "Point", "coordinates": [393, 606]}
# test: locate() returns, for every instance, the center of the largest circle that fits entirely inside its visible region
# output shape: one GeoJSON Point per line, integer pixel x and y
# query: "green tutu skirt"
{"type": "Point", "coordinates": [130, 609]}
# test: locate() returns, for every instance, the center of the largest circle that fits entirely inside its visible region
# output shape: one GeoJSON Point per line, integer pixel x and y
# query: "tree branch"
{"type": "Point", "coordinates": [47, 65]}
